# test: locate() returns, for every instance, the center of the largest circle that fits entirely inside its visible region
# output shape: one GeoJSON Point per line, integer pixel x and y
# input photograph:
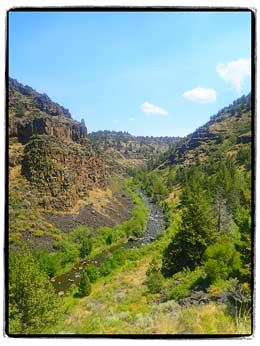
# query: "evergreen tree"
{"type": "Point", "coordinates": [223, 218]}
{"type": "Point", "coordinates": [33, 304]}
{"type": "Point", "coordinates": [86, 248]}
{"type": "Point", "coordinates": [84, 285]}
{"type": "Point", "coordinates": [196, 232]}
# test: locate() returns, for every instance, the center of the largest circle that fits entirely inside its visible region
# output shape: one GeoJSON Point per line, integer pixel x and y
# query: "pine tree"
{"type": "Point", "coordinates": [33, 303]}
{"type": "Point", "coordinates": [196, 232]}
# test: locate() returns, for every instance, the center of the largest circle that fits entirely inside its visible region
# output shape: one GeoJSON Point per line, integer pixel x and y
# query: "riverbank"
{"type": "Point", "coordinates": [154, 225]}
{"type": "Point", "coordinates": [121, 303]}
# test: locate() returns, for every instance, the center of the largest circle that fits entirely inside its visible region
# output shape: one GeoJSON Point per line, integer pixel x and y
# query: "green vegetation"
{"type": "Point", "coordinates": [154, 279]}
{"type": "Point", "coordinates": [153, 185]}
{"type": "Point", "coordinates": [195, 278]}
{"type": "Point", "coordinates": [130, 150]}
{"type": "Point", "coordinates": [196, 229]}
{"type": "Point", "coordinates": [85, 248]}
{"type": "Point", "coordinates": [84, 285]}
{"type": "Point", "coordinates": [33, 304]}
{"type": "Point", "coordinates": [222, 261]}
{"type": "Point", "coordinates": [92, 272]}
{"type": "Point", "coordinates": [24, 220]}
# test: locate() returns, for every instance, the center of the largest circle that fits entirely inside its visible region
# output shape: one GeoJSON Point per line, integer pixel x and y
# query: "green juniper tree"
{"type": "Point", "coordinates": [197, 229]}
{"type": "Point", "coordinates": [84, 285]}
{"type": "Point", "coordinates": [33, 303]}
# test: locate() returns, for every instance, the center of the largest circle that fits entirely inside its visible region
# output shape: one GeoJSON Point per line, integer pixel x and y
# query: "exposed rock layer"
{"type": "Point", "coordinates": [53, 149]}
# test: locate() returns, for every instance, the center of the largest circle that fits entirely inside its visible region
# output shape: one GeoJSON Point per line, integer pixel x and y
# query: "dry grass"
{"type": "Point", "coordinates": [130, 162]}
{"type": "Point", "coordinates": [210, 319]}
{"type": "Point", "coordinates": [100, 198]}
{"type": "Point", "coordinates": [119, 304]}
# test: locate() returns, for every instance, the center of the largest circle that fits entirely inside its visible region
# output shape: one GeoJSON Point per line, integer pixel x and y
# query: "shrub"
{"type": "Point", "coordinates": [218, 287]}
{"type": "Point", "coordinates": [80, 233]}
{"type": "Point", "coordinates": [222, 261]}
{"type": "Point", "coordinates": [84, 285]}
{"type": "Point", "coordinates": [155, 279]}
{"type": "Point", "coordinates": [48, 263]}
{"type": "Point", "coordinates": [154, 282]}
{"type": "Point", "coordinates": [20, 110]}
{"type": "Point", "coordinates": [68, 250]}
{"type": "Point", "coordinates": [85, 248]}
{"type": "Point", "coordinates": [92, 272]}
{"type": "Point", "coordinates": [109, 239]}
{"type": "Point", "coordinates": [106, 268]}
{"type": "Point", "coordinates": [180, 291]}
{"type": "Point", "coordinates": [184, 282]}
{"type": "Point", "coordinates": [119, 256]}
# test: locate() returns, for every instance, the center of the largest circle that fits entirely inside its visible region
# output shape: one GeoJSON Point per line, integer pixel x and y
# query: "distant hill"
{"type": "Point", "coordinates": [126, 149]}
{"type": "Point", "coordinates": [228, 131]}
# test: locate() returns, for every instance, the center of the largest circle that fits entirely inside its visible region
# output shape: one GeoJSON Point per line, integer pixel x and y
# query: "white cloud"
{"type": "Point", "coordinates": [149, 108]}
{"type": "Point", "coordinates": [200, 95]}
{"type": "Point", "coordinates": [131, 119]}
{"type": "Point", "coordinates": [234, 72]}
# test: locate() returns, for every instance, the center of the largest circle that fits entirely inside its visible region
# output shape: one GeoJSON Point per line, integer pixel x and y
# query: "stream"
{"type": "Point", "coordinates": [155, 226]}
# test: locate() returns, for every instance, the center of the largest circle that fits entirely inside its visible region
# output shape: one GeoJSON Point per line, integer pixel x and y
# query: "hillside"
{"type": "Point", "coordinates": [123, 149]}
{"type": "Point", "coordinates": [55, 173]}
{"type": "Point", "coordinates": [50, 150]}
{"type": "Point", "coordinates": [205, 185]}
{"type": "Point", "coordinates": [93, 250]}
{"type": "Point", "coordinates": [227, 131]}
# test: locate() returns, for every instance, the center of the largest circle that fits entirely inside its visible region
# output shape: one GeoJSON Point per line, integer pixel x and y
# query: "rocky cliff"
{"type": "Point", "coordinates": [31, 113]}
{"type": "Point", "coordinates": [50, 150]}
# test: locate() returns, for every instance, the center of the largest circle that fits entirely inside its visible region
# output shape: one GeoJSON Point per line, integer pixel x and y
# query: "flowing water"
{"type": "Point", "coordinates": [155, 226]}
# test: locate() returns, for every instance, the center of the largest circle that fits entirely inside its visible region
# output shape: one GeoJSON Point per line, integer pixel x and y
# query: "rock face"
{"type": "Point", "coordinates": [58, 127]}
{"type": "Point", "coordinates": [54, 151]}
{"type": "Point", "coordinates": [31, 113]}
{"type": "Point", "coordinates": [62, 172]}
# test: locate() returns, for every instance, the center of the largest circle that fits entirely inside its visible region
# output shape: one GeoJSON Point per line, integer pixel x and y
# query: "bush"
{"type": "Point", "coordinates": [155, 279]}
{"type": "Point", "coordinates": [180, 291]}
{"type": "Point", "coordinates": [154, 282]}
{"type": "Point", "coordinates": [48, 263]}
{"type": "Point", "coordinates": [85, 248]}
{"type": "Point", "coordinates": [184, 282]}
{"type": "Point", "coordinates": [109, 239]}
{"type": "Point", "coordinates": [92, 272]}
{"type": "Point", "coordinates": [119, 256]}
{"type": "Point", "coordinates": [68, 251]}
{"type": "Point", "coordinates": [222, 261]}
{"type": "Point", "coordinates": [20, 110]}
{"type": "Point", "coordinates": [106, 268]}
{"type": "Point", "coordinates": [84, 285]}
{"type": "Point", "coordinates": [79, 234]}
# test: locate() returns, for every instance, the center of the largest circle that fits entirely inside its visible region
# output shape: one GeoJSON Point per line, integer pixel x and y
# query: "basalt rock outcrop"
{"type": "Point", "coordinates": [58, 127]}
{"type": "Point", "coordinates": [52, 150]}
{"type": "Point", "coordinates": [61, 171]}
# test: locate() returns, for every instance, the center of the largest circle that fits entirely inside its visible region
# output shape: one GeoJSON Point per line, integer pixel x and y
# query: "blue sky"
{"type": "Point", "coordinates": [148, 73]}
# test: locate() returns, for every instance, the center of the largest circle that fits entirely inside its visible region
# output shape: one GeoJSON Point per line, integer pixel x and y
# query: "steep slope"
{"type": "Point", "coordinates": [50, 150]}
{"type": "Point", "coordinates": [205, 185]}
{"type": "Point", "coordinates": [227, 131]}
